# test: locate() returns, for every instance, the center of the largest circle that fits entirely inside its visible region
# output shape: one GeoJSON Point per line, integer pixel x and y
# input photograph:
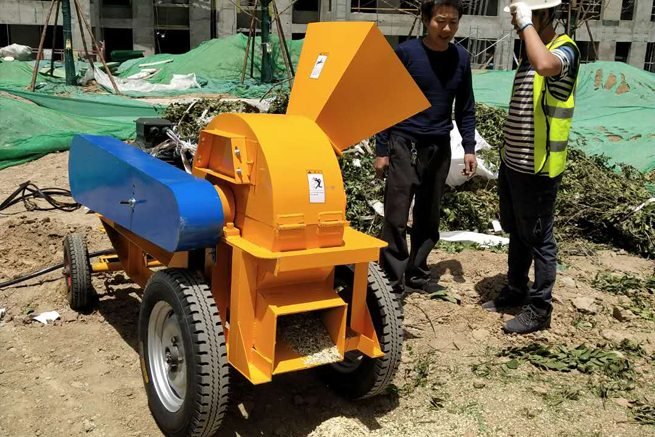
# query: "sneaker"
{"type": "Point", "coordinates": [528, 320]}
{"type": "Point", "coordinates": [508, 298]}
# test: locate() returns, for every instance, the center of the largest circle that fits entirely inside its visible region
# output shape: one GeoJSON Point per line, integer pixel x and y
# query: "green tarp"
{"type": "Point", "coordinates": [30, 131]}
{"type": "Point", "coordinates": [615, 106]}
{"type": "Point", "coordinates": [614, 110]}
{"type": "Point", "coordinates": [213, 60]}
{"type": "Point", "coordinates": [51, 116]}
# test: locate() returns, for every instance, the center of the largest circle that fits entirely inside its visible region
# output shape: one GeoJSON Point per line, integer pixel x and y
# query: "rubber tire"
{"type": "Point", "coordinates": [373, 375]}
{"type": "Point", "coordinates": [76, 257]}
{"type": "Point", "coordinates": [206, 398]}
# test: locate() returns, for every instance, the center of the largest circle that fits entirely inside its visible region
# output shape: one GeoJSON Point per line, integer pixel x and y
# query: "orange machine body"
{"type": "Point", "coordinates": [284, 201]}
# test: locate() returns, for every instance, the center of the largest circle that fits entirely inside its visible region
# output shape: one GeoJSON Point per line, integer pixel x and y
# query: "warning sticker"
{"type": "Point", "coordinates": [316, 187]}
{"type": "Point", "coordinates": [318, 66]}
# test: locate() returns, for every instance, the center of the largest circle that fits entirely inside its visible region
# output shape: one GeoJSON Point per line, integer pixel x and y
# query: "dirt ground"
{"type": "Point", "coordinates": [80, 375]}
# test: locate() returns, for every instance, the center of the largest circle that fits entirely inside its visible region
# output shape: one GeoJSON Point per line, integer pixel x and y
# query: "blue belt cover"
{"type": "Point", "coordinates": [158, 202]}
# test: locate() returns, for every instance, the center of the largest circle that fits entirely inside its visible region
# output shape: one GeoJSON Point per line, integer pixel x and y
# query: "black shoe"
{"type": "Point", "coordinates": [508, 298]}
{"type": "Point", "coordinates": [528, 320]}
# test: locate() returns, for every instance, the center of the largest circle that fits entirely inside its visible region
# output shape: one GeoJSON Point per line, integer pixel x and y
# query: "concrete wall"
{"type": "Point", "coordinates": [607, 31]}
{"type": "Point", "coordinates": [142, 24]}
{"type": "Point", "coordinates": [199, 21]}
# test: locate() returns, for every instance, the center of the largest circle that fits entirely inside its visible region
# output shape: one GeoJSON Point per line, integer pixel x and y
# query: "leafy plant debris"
{"type": "Point", "coordinates": [641, 291]}
{"type": "Point", "coordinates": [583, 358]}
{"type": "Point", "coordinates": [598, 201]}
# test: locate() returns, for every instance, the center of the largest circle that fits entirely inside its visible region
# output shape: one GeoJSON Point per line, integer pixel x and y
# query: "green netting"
{"type": "Point", "coordinates": [57, 111]}
{"type": "Point", "coordinates": [615, 105]}
{"type": "Point", "coordinates": [217, 64]}
{"type": "Point", "coordinates": [30, 130]}
{"type": "Point", "coordinates": [614, 110]}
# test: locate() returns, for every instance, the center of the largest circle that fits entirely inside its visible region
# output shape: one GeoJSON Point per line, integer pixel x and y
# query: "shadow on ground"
{"type": "Point", "coordinates": [292, 404]}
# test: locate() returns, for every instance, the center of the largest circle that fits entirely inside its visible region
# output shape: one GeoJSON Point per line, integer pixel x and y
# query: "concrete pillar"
{"type": "Point", "coordinates": [286, 18]}
{"type": "Point", "coordinates": [642, 23]}
{"type": "Point", "coordinates": [77, 26]}
{"type": "Point", "coordinates": [143, 33]}
{"type": "Point", "coordinates": [606, 50]}
{"type": "Point", "coordinates": [227, 18]}
{"type": "Point", "coordinates": [326, 10]}
{"type": "Point", "coordinates": [637, 55]}
{"type": "Point", "coordinates": [611, 10]}
{"type": "Point", "coordinates": [503, 55]}
{"type": "Point", "coordinates": [341, 9]}
{"type": "Point", "coordinates": [199, 21]}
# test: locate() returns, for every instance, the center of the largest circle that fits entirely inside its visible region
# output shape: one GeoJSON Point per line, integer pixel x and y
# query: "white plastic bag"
{"type": "Point", "coordinates": [455, 176]}
{"type": "Point", "coordinates": [16, 51]}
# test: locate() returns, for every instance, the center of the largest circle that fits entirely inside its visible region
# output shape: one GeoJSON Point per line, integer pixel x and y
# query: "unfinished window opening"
{"type": "Point", "coordinates": [4, 35]}
{"type": "Point", "coordinates": [117, 39]}
{"type": "Point", "coordinates": [172, 41]}
{"type": "Point", "coordinates": [649, 65]}
{"type": "Point", "coordinates": [385, 6]}
{"type": "Point", "coordinates": [30, 35]}
{"type": "Point", "coordinates": [588, 51]}
{"type": "Point", "coordinates": [480, 50]}
{"type": "Point", "coordinates": [481, 7]}
{"type": "Point", "coordinates": [116, 9]}
{"type": "Point", "coordinates": [518, 53]}
{"type": "Point", "coordinates": [589, 10]}
{"type": "Point", "coordinates": [365, 6]}
{"type": "Point", "coordinates": [628, 10]}
{"type": "Point", "coordinates": [171, 17]}
{"type": "Point", "coordinates": [622, 51]}
{"type": "Point", "coordinates": [305, 11]}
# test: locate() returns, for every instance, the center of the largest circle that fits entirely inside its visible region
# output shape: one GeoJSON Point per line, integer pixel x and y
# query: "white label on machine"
{"type": "Point", "coordinates": [318, 66]}
{"type": "Point", "coordinates": [316, 187]}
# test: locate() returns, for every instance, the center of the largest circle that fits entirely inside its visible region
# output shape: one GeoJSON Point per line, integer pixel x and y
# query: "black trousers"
{"type": "Point", "coordinates": [418, 169]}
{"type": "Point", "coordinates": [527, 208]}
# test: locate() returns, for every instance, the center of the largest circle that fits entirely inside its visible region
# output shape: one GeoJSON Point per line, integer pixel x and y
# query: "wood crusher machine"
{"type": "Point", "coordinates": [249, 262]}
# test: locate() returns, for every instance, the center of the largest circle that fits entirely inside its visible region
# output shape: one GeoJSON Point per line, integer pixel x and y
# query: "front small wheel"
{"type": "Point", "coordinates": [183, 354]}
{"type": "Point", "coordinates": [77, 272]}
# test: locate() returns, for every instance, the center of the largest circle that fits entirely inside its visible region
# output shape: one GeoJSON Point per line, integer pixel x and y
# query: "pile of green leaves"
{"type": "Point", "coordinates": [363, 189]}
{"type": "Point", "coordinates": [598, 202]}
{"type": "Point", "coordinates": [191, 118]}
{"type": "Point", "coordinates": [641, 291]}
{"type": "Point", "coordinates": [585, 359]}
{"type": "Point", "coordinates": [601, 203]}
{"type": "Point", "coordinates": [280, 101]}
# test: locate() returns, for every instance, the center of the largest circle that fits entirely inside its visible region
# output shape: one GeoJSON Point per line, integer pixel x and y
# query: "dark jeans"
{"type": "Point", "coordinates": [416, 169]}
{"type": "Point", "coordinates": [527, 207]}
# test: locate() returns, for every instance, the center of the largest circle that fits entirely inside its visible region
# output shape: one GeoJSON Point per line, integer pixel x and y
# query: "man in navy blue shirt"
{"type": "Point", "coordinates": [415, 153]}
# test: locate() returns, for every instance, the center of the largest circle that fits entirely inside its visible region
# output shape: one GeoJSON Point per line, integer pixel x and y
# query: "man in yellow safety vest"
{"type": "Point", "coordinates": [533, 158]}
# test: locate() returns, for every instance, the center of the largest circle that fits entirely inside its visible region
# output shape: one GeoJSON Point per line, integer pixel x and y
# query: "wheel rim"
{"type": "Point", "coordinates": [166, 356]}
{"type": "Point", "coordinates": [351, 362]}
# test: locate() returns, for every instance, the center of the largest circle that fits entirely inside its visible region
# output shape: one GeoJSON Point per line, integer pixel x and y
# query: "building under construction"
{"type": "Point", "coordinates": [620, 30]}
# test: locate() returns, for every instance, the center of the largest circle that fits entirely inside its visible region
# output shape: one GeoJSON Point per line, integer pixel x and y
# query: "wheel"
{"type": "Point", "coordinates": [359, 376]}
{"type": "Point", "coordinates": [183, 354]}
{"type": "Point", "coordinates": [77, 272]}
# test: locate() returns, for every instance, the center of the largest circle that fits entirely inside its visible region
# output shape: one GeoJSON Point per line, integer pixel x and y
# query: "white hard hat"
{"type": "Point", "coordinates": [537, 4]}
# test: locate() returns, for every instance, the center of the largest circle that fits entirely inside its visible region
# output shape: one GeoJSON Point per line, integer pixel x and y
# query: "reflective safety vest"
{"type": "Point", "coordinates": [552, 122]}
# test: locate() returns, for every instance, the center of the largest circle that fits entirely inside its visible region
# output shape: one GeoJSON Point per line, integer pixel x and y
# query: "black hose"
{"type": "Point", "coordinates": [27, 192]}
{"type": "Point", "coordinates": [48, 269]}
